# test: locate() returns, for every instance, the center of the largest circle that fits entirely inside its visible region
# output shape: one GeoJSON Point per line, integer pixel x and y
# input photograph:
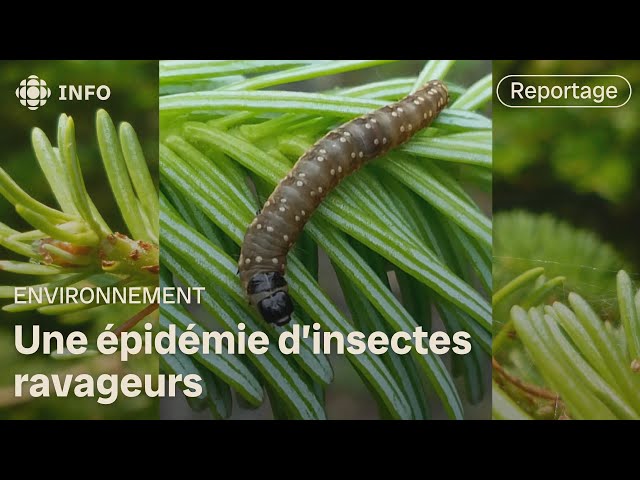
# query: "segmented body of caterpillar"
{"type": "Point", "coordinates": [344, 150]}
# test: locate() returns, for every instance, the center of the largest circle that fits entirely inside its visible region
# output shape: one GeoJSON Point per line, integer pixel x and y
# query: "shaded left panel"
{"type": "Point", "coordinates": [78, 234]}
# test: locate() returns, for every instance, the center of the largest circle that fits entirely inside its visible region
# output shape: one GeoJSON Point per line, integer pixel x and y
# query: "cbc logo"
{"type": "Point", "coordinates": [33, 92]}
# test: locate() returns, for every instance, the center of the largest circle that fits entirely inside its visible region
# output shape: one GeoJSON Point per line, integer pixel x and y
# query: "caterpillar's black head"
{"type": "Point", "coordinates": [268, 292]}
{"type": "Point", "coordinates": [276, 308]}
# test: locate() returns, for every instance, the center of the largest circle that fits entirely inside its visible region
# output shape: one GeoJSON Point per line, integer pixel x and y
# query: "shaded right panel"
{"type": "Point", "coordinates": [566, 252]}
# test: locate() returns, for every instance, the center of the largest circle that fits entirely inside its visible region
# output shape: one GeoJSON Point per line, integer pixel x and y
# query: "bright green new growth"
{"type": "Point", "coordinates": [407, 213]}
{"type": "Point", "coordinates": [560, 359]}
{"type": "Point", "coordinates": [73, 245]}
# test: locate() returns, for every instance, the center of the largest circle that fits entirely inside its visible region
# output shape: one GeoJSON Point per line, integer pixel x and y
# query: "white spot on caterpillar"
{"type": "Point", "coordinates": [259, 226]}
{"type": "Point", "coordinates": [424, 101]}
{"type": "Point", "coordinates": [247, 261]}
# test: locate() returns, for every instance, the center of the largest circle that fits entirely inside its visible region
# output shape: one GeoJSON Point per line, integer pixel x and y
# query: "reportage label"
{"type": "Point", "coordinates": [564, 91]}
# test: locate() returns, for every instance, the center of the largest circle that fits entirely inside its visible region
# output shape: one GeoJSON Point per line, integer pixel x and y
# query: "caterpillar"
{"type": "Point", "coordinates": [341, 152]}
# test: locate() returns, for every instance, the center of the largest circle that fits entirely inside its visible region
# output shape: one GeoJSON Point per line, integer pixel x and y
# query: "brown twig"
{"type": "Point", "coordinates": [129, 324]}
{"type": "Point", "coordinates": [525, 387]}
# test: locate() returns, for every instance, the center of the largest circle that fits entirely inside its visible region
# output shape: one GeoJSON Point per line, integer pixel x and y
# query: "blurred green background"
{"type": "Point", "coordinates": [582, 165]}
{"type": "Point", "coordinates": [134, 98]}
